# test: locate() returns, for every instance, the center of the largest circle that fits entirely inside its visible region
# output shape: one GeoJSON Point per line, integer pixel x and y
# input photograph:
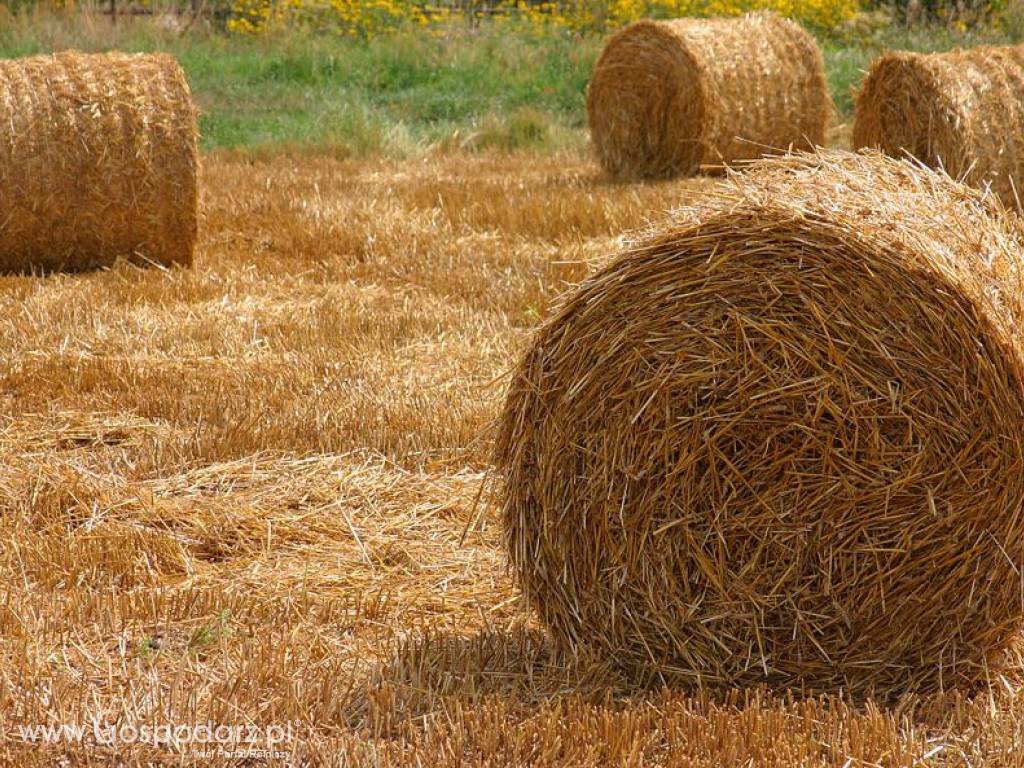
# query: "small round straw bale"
{"type": "Point", "coordinates": [97, 161]}
{"type": "Point", "coordinates": [667, 97]}
{"type": "Point", "coordinates": [961, 111]}
{"type": "Point", "coordinates": [780, 440]}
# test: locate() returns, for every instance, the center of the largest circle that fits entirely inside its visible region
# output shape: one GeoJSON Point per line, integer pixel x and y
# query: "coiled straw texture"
{"type": "Point", "coordinates": [780, 440]}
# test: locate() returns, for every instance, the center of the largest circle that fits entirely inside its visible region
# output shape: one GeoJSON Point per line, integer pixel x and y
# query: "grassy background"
{"type": "Point", "coordinates": [472, 89]}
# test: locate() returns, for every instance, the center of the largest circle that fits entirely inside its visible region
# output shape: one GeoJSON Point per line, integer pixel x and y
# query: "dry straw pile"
{"type": "Point", "coordinates": [97, 161]}
{"type": "Point", "coordinates": [962, 111]}
{"type": "Point", "coordinates": [780, 439]}
{"type": "Point", "coordinates": [667, 97]}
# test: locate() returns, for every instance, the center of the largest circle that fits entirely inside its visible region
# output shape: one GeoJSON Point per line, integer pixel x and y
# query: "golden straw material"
{"type": "Point", "coordinates": [97, 161]}
{"type": "Point", "coordinates": [780, 440]}
{"type": "Point", "coordinates": [667, 97]}
{"type": "Point", "coordinates": [962, 111]}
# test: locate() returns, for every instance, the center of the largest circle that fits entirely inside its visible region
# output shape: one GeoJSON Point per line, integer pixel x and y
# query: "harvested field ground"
{"type": "Point", "coordinates": [251, 493]}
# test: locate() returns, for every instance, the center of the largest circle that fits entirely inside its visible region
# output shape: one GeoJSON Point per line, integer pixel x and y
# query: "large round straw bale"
{"type": "Point", "coordinates": [97, 161]}
{"type": "Point", "coordinates": [667, 97]}
{"type": "Point", "coordinates": [962, 111]}
{"type": "Point", "coordinates": [781, 439]}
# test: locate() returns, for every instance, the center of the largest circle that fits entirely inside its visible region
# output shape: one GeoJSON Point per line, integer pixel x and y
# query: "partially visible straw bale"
{"type": "Point", "coordinates": [962, 111]}
{"type": "Point", "coordinates": [97, 161]}
{"type": "Point", "coordinates": [780, 439]}
{"type": "Point", "coordinates": [667, 97]}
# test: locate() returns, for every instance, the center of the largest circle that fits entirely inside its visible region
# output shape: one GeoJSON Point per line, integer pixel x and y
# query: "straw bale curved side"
{"type": "Point", "coordinates": [667, 97]}
{"type": "Point", "coordinates": [97, 161]}
{"type": "Point", "coordinates": [779, 440]}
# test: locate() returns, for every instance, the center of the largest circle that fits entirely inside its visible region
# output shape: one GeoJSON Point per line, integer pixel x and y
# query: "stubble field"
{"type": "Point", "coordinates": [255, 493]}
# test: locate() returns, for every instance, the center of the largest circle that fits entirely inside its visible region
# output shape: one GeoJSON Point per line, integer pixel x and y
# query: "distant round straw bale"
{"type": "Point", "coordinates": [667, 97]}
{"type": "Point", "coordinates": [780, 440]}
{"type": "Point", "coordinates": [962, 111]}
{"type": "Point", "coordinates": [97, 161]}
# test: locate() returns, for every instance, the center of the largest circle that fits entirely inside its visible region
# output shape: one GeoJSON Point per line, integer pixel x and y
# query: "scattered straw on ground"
{"type": "Point", "coordinates": [247, 493]}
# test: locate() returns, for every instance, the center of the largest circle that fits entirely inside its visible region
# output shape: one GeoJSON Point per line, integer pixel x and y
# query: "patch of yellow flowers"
{"type": "Point", "coordinates": [372, 18]}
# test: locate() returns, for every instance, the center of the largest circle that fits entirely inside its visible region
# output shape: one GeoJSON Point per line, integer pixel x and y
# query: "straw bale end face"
{"type": "Point", "coordinates": [647, 104]}
{"type": "Point", "coordinates": [906, 107]}
{"type": "Point", "coordinates": [98, 161]}
{"type": "Point", "coordinates": [780, 441]}
{"type": "Point", "coordinates": [960, 111]}
{"type": "Point", "coordinates": [670, 97]}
